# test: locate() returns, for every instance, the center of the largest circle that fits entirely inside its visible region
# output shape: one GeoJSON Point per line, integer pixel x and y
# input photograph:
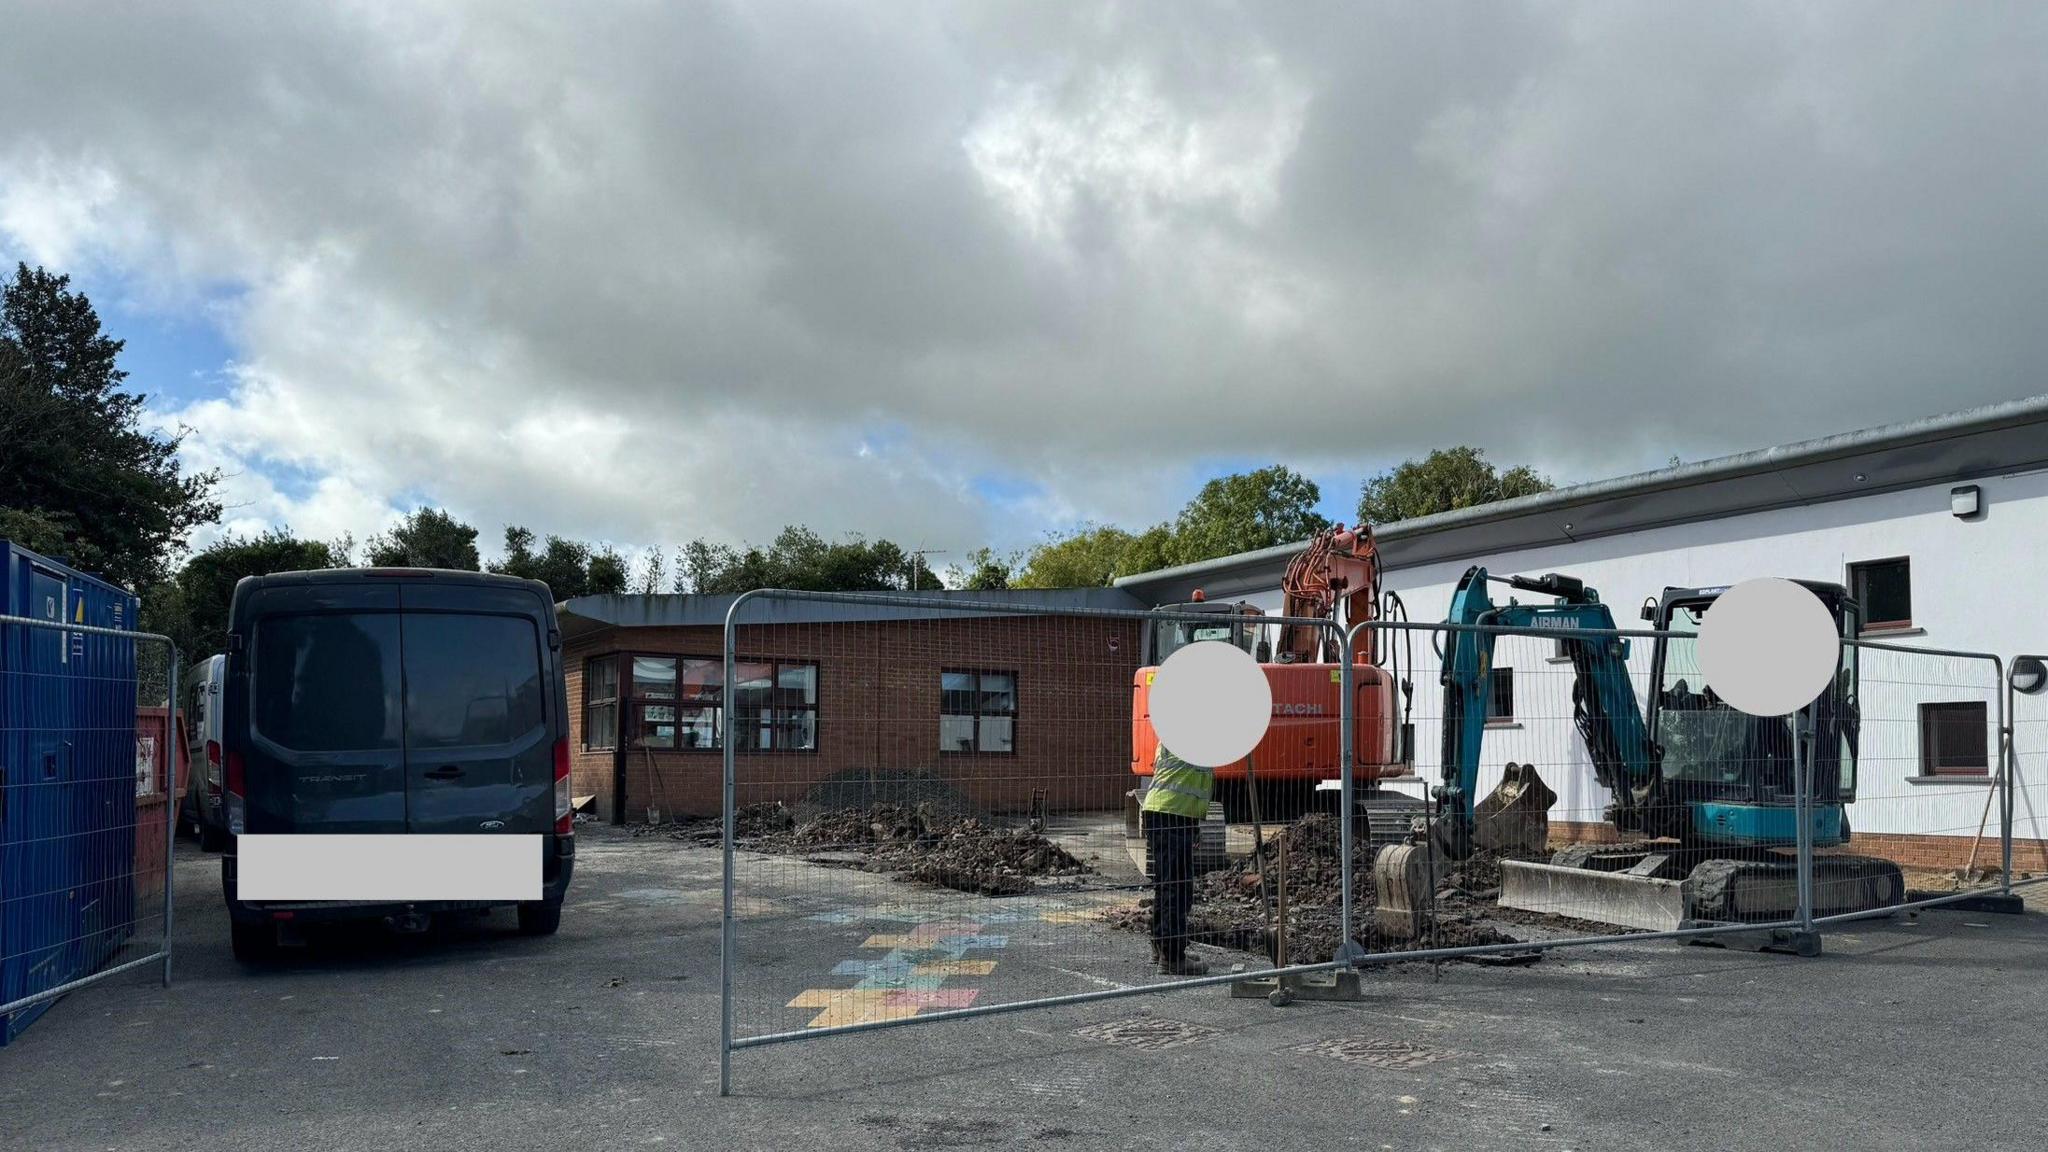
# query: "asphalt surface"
{"type": "Point", "coordinates": [1905, 1035]}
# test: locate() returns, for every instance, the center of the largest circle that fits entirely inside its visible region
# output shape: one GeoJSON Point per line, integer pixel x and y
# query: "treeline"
{"type": "Point", "coordinates": [191, 604]}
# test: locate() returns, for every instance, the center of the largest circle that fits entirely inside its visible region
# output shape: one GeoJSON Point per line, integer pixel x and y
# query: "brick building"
{"type": "Point", "coordinates": [1009, 709]}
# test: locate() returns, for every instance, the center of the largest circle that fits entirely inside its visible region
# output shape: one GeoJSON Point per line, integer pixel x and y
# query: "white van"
{"type": "Point", "coordinates": [201, 689]}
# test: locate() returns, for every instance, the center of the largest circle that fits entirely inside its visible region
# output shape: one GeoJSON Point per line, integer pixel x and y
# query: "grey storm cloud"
{"type": "Point", "coordinates": [643, 272]}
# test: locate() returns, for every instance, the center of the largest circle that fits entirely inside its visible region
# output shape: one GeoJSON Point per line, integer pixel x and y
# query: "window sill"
{"type": "Point", "coordinates": [1985, 780]}
{"type": "Point", "coordinates": [1502, 725]}
{"type": "Point", "coordinates": [1557, 659]}
{"type": "Point", "coordinates": [1888, 633]}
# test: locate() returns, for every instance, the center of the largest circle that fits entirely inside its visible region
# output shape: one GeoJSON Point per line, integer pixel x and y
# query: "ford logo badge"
{"type": "Point", "coordinates": [491, 825]}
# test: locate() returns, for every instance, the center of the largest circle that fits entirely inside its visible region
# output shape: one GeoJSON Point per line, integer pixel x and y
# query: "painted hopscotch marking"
{"type": "Point", "coordinates": [928, 948]}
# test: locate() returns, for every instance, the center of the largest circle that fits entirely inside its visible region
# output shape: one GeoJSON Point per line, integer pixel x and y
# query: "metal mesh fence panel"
{"type": "Point", "coordinates": [936, 809]}
{"type": "Point", "coordinates": [1908, 751]}
{"type": "Point", "coordinates": [92, 756]}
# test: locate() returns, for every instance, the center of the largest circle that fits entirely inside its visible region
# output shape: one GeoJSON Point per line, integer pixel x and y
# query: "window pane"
{"type": "Point", "coordinates": [328, 683]}
{"type": "Point", "coordinates": [470, 680]}
{"type": "Point", "coordinates": [654, 677]}
{"type": "Point", "coordinates": [657, 726]}
{"type": "Point", "coordinates": [601, 678]}
{"type": "Point", "coordinates": [700, 728]}
{"type": "Point", "coordinates": [1886, 590]}
{"type": "Point", "coordinates": [1953, 738]}
{"type": "Point", "coordinates": [956, 733]}
{"type": "Point", "coordinates": [998, 693]}
{"type": "Point", "coordinates": [997, 734]}
{"type": "Point", "coordinates": [957, 692]}
{"type": "Point", "coordinates": [701, 679]}
{"type": "Point", "coordinates": [797, 684]}
{"type": "Point", "coordinates": [603, 727]}
{"type": "Point", "coordinates": [796, 731]}
{"type": "Point", "coordinates": [753, 687]}
{"type": "Point", "coordinates": [1500, 704]}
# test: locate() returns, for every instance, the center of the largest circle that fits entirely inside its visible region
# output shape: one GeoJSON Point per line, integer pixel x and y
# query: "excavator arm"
{"type": "Point", "coordinates": [1340, 567]}
{"type": "Point", "coordinates": [1604, 703]}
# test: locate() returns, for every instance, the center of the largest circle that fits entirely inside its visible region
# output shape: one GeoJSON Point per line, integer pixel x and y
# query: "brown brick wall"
{"type": "Point", "coordinates": [878, 710]}
{"type": "Point", "coordinates": [1910, 851]}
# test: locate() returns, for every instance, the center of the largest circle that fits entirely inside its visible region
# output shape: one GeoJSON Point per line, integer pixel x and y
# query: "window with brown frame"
{"type": "Point", "coordinates": [977, 712]}
{"type": "Point", "coordinates": [777, 703]}
{"type": "Point", "coordinates": [1955, 739]}
{"type": "Point", "coordinates": [651, 710]}
{"type": "Point", "coordinates": [601, 702]}
{"type": "Point", "coordinates": [678, 702]}
{"type": "Point", "coordinates": [1884, 590]}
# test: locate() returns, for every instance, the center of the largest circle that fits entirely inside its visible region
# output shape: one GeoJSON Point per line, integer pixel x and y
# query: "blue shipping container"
{"type": "Point", "coordinates": [67, 779]}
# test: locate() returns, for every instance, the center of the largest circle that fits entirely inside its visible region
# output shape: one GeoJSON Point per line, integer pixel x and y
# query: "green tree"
{"type": "Point", "coordinates": [699, 565]}
{"type": "Point", "coordinates": [1094, 555]}
{"type": "Point", "coordinates": [1247, 511]}
{"type": "Point", "coordinates": [653, 576]}
{"type": "Point", "coordinates": [1448, 479]}
{"type": "Point", "coordinates": [79, 474]}
{"type": "Point", "coordinates": [569, 568]}
{"type": "Point", "coordinates": [429, 538]}
{"type": "Point", "coordinates": [984, 571]}
{"type": "Point", "coordinates": [801, 559]}
{"type": "Point", "coordinates": [192, 607]}
{"type": "Point", "coordinates": [607, 573]}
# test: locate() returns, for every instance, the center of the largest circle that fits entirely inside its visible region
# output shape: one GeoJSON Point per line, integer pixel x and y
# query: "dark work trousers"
{"type": "Point", "coordinates": [1171, 841]}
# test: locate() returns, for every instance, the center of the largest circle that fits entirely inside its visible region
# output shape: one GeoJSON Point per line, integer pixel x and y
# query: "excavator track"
{"type": "Point", "coordinates": [1747, 891]}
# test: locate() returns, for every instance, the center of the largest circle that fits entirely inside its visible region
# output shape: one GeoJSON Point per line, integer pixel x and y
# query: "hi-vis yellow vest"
{"type": "Point", "coordinates": [1178, 787]}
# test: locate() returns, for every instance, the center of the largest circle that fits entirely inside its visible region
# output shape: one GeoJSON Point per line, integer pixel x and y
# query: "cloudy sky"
{"type": "Point", "coordinates": [960, 272]}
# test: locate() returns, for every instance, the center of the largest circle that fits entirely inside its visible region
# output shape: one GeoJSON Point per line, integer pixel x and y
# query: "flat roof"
{"type": "Point", "coordinates": [1976, 442]}
{"type": "Point", "coordinates": [589, 615]}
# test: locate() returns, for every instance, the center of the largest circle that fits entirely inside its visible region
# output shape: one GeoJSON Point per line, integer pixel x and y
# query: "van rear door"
{"type": "Point", "coordinates": [325, 699]}
{"type": "Point", "coordinates": [479, 721]}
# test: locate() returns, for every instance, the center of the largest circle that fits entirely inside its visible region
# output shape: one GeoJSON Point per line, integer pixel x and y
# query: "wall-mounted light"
{"type": "Point", "coordinates": [1965, 503]}
{"type": "Point", "coordinates": [2028, 675]}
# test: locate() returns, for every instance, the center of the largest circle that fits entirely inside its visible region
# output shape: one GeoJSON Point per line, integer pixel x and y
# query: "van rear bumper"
{"type": "Point", "coordinates": [556, 868]}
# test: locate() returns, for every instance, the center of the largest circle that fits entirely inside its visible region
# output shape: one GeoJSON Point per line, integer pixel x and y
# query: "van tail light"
{"type": "Point", "coordinates": [236, 805]}
{"type": "Point", "coordinates": [565, 819]}
{"type": "Point", "coordinates": [213, 782]}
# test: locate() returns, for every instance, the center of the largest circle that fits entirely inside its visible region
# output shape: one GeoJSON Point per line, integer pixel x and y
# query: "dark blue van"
{"type": "Point", "coordinates": [383, 700]}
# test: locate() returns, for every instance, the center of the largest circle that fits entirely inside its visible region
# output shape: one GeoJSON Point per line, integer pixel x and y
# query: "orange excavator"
{"type": "Point", "coordinates": [1336, 578]}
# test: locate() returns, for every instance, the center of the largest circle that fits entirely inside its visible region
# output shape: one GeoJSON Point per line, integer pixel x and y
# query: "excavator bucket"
{"type": "Point", "coordinates": [1514, 820]}
{"type": "Point", "coordinates": [1404, 888]}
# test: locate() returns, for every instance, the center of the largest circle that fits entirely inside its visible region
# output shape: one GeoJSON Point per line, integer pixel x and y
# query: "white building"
{"type": "Point", "coordinates": [1939, 528]}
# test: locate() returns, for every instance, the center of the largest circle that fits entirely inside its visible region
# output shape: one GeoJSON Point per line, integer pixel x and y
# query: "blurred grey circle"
{"type": "Point", "coordinates": [1768, 647]}
{"type": "Point", "coordinates": [1211, 703]}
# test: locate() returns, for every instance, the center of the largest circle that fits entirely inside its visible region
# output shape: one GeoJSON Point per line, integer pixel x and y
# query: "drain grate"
{"type": "Point", "coordinates": [1395, 1054]}
{"type": "Point", "coordinates": [1147, 1032]}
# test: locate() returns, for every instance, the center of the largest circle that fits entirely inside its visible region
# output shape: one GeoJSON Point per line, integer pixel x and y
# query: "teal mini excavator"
{"type": "Point", "coordinates": [1701, 792]}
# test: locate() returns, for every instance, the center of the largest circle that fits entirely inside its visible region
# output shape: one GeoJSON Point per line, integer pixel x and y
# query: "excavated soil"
{"type": "Point", "coordinates": [926, 841]}
{"type": "Point", "coordinates": [1232, 911]}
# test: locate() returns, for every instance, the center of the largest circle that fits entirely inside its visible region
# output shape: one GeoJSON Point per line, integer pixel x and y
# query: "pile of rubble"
{"type": "Point", "coordinates": [926, 841]}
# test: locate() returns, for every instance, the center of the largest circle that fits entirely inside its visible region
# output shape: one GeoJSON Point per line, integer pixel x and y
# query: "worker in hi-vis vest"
{"type": "Point", "coordinates": [1174, 807]}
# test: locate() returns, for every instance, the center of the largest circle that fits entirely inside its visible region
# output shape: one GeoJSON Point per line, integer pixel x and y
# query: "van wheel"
{"type": "Point", "coordinates": [539, 918]}
{"type": "Point", "coordinates": [253, 943]}
{"type": "Point", "coordinates": [212, 839]}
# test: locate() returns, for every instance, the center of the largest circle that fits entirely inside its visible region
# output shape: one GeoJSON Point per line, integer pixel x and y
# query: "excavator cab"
{"type": "Point", "coordinates": [1235, 624]}
{"type": "Point", "coordinates": [1736, 773]}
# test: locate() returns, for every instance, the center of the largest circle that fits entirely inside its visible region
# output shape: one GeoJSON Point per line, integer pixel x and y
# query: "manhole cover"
{"type": "Point", "coordinates": [1396, 1054]}
{"type": "Point", "coordinates": [1147, 1032]}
